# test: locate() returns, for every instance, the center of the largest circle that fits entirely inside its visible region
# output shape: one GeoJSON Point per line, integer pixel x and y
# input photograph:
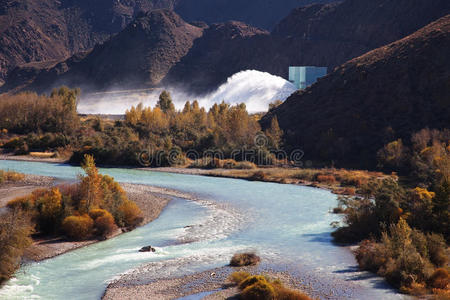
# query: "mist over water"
{"type": "Point", "coordinates": [254, 88]}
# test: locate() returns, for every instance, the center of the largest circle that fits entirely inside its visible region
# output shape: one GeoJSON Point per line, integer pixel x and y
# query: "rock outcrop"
{"type": "Point", "coordinates": [138, 56]}
{"type": "Point", "coordinates": [45, 30]}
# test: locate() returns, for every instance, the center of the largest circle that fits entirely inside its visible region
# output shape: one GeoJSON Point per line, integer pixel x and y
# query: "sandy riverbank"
{"type": "Point", "coordinates": [11, 190]}
{"type": "Point", "coordinates": [151, 200]}
{"type": "Point", "coordinates": [32, 158]}
{"type": "Point", "coordinates": [211, 284]}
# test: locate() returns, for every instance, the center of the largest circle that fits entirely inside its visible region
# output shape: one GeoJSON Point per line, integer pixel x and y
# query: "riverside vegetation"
{"type": "Point", "coordinates": [51, 124]}
{"type": "Point", "coordinates": [92, 208]}
{"type": "Point", "coordinates": [402, 219]}
{"type": "Point", "coordinates": [258, 287]}
{"type": "Point", "coordinates": [403, 227]}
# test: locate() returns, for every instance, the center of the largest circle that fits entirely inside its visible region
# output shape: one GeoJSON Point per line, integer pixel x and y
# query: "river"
{"type": "Point", "coordinates": [287, 225]}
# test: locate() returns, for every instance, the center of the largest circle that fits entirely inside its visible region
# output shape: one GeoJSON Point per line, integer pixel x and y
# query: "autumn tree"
{"type": "Point", "coordinates": [90, 188]}
{"type": "Point", "coordinates": [49, 206]}
{"type": "Point", "coordinates": [275, 133]}
{"type": "Point", "coordinates": [28, 112]}
{"type": "Point", "coordinates": [392, 156]}
{"type": "Point", "coordinates": [15, 230]}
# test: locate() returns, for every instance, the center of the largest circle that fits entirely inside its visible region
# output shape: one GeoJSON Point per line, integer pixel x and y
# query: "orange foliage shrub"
{"type": "Point", "coordinates": [97, 212]}
{"type": "Point", "coordinates": [49, 206]}
{"type": "Point", "coordinates": [78, 227]}
{"type": "Point", "coordinates": [261, 290]}
{"type": "Point", "coordinates": [103, 221]}
{"type": "Point", "coordinates": [238, 277]}
{"type": "Point", "coordinates": [130, 214]}
{"type": "Point", "coordinates": [283, 293]}
{"type": "Point", "coordinates": [24, 203]}
{"type": "Point", "coordinates": [258, 287]}
{"type": "Point", "coordinates": [12, 176]}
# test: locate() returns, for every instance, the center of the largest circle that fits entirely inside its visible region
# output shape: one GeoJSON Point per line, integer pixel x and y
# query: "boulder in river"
{"type": "Point", "coordinates": [147, 249]}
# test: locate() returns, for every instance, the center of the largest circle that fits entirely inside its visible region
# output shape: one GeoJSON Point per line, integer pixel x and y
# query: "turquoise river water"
{"type": "Point", "coordinates": [287, 225]}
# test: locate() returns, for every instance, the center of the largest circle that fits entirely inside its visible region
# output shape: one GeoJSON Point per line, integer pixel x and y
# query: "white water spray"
{"type": "Point", "coordinates": [254, 88]}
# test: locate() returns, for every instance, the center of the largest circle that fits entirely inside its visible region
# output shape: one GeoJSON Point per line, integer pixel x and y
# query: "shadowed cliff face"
{"type": "Point", "coordinates": [388, 93]}
{"type": "Point", "coordinates": [46, 30]}
{"type": "Point", "coordinates": [139, 56]}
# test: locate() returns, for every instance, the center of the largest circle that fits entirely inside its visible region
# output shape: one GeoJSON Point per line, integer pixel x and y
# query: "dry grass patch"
{"type": "Point", "coordinates": [341, 181]}
{"type": "Point", "coordinates": [42, 154]}
{"type": "Point", "coordinates": [10, 176]}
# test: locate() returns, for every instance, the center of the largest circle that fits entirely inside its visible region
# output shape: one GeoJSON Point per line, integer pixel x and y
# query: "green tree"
{"type": "Point", "coordinates": [165, 102]}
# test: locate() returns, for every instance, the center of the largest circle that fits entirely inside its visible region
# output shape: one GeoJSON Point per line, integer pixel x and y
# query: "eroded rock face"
{"type": "Point", "coordinates": [388, 93]}
{"type": "Point", "coordinates": [36, 31]}
{"type": "Point", "coordinates": [140, 55]}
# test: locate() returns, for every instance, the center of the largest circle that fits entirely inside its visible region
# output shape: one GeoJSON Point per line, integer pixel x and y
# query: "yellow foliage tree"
{"type": "Point", "coordinates": [91, 193]}
{"type": "Point", "coordinates": [50, 210]}
{"type": "Point", "coordinates": [130, 214]}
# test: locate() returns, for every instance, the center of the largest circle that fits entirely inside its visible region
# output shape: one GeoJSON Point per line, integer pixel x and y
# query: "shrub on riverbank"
{"type": "Point", "coordinates": [78, 227]}
{"type": "Point", "coordinates": [403, 227]}
{"type": "Point", "coordinates": [103, 222]}
{"type": "Point", "coordinates": [407, 258]}
{"type": "Point", "coordinates": [15, 230]}
{"type": "Point", "coordinates": [256, 287]}
{"type": "Point", "coordinates": [244, 259]}
{"type": "Point", "coordinates": [10, 176]}
{"type": "Point", "coordinates": [96, 199]}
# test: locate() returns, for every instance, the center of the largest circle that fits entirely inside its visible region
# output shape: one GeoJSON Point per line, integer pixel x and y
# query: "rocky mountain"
{"type": "Point", "coordinates": [138, 56]}
{"type": "Point", "coordinates": [386, 94]}
{"type": "Point", "coordinates": [52, 30]}
{"type": "Point", "coordinates": [45, 30]}
{"type": "Point", "coordinates": [321, 34]}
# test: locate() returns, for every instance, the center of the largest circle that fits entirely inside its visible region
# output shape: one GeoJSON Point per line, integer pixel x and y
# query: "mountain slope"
{"type": "Point", "coordinates": [36, 31]}
{"type": "Point", "coordinates": [321, 34]}
{"type": "Point", "coordinates": [45, 30]}
{"type": "Point", "coordinates": [386, 94]}
{"type": "Point", "coordinates": [139, 56]}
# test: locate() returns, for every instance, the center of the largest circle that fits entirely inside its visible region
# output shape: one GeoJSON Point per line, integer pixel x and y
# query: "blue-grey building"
{"type": "Point", "coordinates": [302, 77]}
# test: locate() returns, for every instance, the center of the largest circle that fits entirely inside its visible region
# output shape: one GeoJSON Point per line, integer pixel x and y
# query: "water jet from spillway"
{"type": "Point", "coordinates": [254, 88]}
